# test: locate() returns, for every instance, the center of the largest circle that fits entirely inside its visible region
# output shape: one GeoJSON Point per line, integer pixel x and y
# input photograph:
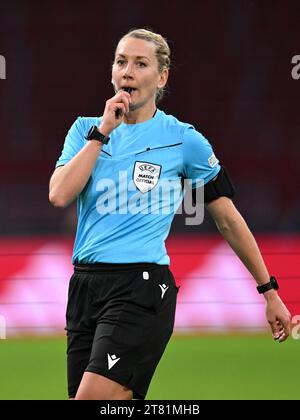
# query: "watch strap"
{"type": "Point", "coordinates": [95, 134]}
{"type": "Point", "coordinates": [268, 286]}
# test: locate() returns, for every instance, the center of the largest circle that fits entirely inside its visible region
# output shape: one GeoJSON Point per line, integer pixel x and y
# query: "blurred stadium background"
{"type": "Point", "coordinates": [231, 78]}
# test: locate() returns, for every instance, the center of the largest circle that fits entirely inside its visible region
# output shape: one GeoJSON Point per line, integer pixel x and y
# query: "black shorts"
{"type": "Point", "coordinates": [120, 318]}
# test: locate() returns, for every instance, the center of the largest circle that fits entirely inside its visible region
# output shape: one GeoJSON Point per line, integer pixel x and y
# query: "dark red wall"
{"type": "Point", "coordinates": [231, 78]}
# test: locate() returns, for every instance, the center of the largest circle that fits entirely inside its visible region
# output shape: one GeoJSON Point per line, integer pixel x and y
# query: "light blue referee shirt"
{"type": "Point", "coordinates": [126, 209]}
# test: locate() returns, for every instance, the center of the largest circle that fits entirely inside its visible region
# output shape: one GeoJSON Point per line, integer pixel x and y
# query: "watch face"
{"type": "Point", "coordinates": [274, 283]}
{"type": "Point", "coordinates": [90, 131]}
{"type": "Point", "coordinates": [94, 134]}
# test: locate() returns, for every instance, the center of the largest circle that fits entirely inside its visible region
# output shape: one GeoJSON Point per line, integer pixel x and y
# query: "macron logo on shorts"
{"type": "Point", "coordinates": [112, 360]}
{"type": "Point", "coordinates": [163, 288]}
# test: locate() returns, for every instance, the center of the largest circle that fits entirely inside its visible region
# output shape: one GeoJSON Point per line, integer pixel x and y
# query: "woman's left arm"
{"type": "Point", "coordinates": [236, 232]}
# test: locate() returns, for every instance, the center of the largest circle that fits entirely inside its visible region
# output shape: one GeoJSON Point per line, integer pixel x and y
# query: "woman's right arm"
{"type": "Point", "coordinates": [69, 180]}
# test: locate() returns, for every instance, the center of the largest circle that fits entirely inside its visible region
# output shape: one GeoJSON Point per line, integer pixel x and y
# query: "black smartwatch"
{"type": "Point", "coordinates": [94, 134]}
{"type": "Point", "coordinates": [268, 286]}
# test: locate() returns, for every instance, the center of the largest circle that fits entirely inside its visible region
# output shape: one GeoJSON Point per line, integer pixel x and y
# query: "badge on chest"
{"type": "Point", "coordinates": [146, 175]}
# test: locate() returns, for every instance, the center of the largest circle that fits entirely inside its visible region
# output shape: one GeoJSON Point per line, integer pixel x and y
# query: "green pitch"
{"type": "Point", "coordinates": [194, 367]}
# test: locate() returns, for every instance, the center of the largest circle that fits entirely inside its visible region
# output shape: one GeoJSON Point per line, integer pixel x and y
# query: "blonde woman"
{"type": "Point", "coordinates": [122, 295]}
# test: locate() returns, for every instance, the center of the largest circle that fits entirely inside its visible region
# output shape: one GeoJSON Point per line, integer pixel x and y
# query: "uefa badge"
{"type": "Point", "coordinates": [146, 175]}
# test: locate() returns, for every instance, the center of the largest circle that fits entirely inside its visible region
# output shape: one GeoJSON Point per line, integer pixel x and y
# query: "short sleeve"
{"type": "Point", "coordinates": [74, 142]}
{"type": "Point", "coordinates": [199, 160]}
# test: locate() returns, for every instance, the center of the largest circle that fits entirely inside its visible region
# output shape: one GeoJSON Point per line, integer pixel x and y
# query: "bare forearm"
{"type": "Point", "coordinates": [236, 232]}
{"type": "Point", "coordinates": [69, 181]}
{"type": "Point", "coordinates": [243, 243]}
{"type": "Point", "coordinates": [241, 240]}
